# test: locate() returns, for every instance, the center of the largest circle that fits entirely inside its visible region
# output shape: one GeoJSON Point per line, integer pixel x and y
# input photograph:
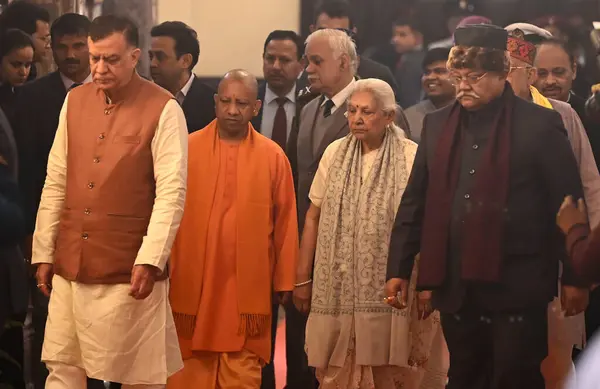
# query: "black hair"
{"type": "Point", "coordinates": [104, 26]}
{"type": "Point", "coordinates": [23, 16]}
{"type": "Point", "coordinates": [186, 39]}
{"type": "Point", "coordinates": [335, 9]}
{"type": "Point", "coordinates": [435, 55]}
{"type": "Point", "coordinates": [70, 24]}
{"type": "Point", "coordinates": [282, 35]}
{"type": "Point", "coordinates": [406, 20]}
{"type": "Point", "coordinates": [13, 39]}
{"type": "Point", "coordinates": [561, 44]}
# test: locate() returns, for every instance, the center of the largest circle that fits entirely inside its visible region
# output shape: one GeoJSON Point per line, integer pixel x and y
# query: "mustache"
{"type": "Point", "coordinates": [473, 95]}
{"type": "Point", "coordinates": [72, 61]}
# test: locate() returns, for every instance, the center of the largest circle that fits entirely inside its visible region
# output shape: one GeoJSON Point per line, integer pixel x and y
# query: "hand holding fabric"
{"type": "Point", "coordinates": [571, 214]}
{"type": "Point", "coordinates": [142, 281]}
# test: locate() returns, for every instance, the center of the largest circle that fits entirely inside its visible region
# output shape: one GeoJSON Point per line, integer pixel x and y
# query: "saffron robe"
{"type": "Point", "coordinates": [238, 242]}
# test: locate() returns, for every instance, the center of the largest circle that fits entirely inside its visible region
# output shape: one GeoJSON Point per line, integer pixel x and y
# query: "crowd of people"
{"type": "Point", "coordinates": [424, 223]}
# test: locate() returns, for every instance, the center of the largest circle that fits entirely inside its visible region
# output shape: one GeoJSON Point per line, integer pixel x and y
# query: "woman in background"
{"type": "Point", "coordinates": [16, 59]}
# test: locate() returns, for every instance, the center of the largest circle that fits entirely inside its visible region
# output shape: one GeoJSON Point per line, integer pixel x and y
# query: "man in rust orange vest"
{"type": "Point", "coordinates": [109, 213]}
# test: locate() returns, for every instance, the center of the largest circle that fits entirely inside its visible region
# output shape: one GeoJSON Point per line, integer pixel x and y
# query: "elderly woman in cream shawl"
{"type": "Point", "coordinates": [353, 338]}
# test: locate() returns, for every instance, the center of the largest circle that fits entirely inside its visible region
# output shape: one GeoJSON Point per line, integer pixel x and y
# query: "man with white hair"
{"type": "Point", "coordinates": [332, 63]}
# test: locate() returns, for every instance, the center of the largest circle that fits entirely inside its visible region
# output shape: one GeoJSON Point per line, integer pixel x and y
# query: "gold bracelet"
{"type": "Point", "coordinates": [302, 283]}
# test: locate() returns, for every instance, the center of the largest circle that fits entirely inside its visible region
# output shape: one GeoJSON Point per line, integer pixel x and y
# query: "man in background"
{"type": "Point", "coordinates": [282, 64]}
{"type": "Point", "coordinates": [407, 40]}
{"type": "Point", "coordinates": [439, 91]}
{"type": "Point", "coordinates": [174, 52]}
{"type": "Point", "coordinates": [33, 20]}
{"type": "Point", "coordinates": [337, 14]}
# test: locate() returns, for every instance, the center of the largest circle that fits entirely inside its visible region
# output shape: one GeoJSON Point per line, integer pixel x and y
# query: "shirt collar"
{"type": "Point", "coordinates": [68, 83]}
{"type": "Point", "coordinates": [188, 85]}
{"type": "Point", "coordinates": [340, 98]}
{"type": "Point", "coordinates": [270, 96]}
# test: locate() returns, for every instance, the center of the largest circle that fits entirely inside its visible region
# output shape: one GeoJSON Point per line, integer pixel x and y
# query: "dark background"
{"type": "Point", "coordinates": [374, 18]}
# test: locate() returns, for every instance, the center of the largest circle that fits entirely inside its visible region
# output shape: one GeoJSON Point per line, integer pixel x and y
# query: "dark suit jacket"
{"type": "Point", "coordinates": [368, 68]}
{"type": "Point", "coordinates": [199, 106]}
{"type": "Point", "coordinates": [543, 171]}
{"type": "Point", "coordinates": [307, 161]}
{"type": "Point", "coordinates": [372, 69]}
{"type": "Point", "coordinates": [262, 88]}
{"type": "Point", "coordinates": [36, 119]}
{"type": "Point", "coordinates": [13, 271]}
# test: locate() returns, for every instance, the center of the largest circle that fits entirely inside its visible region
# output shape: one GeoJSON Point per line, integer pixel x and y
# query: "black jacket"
{"type": "Point", "coordinates": [35, 122]}
{"type": "Point", "coordinates": [543, 171]}
{"type": "Point", "coordinates": [199, 106]}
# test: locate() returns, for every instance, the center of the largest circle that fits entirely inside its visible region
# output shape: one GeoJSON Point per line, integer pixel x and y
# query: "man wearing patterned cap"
{"type": "Point", "coordinates": [490, 174]}
{"type": "Point", "coordinates": [564, 333]}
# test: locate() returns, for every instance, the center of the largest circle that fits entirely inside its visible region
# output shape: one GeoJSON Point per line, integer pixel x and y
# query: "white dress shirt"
{"type": "Point", "coordinates": [340, 98]}
{"type": "Point", "coordinates": [270, 107]}
{"type": "Point", "coordinates": [68, 83]}
{"type": "Point", "coordinates": [180, 96]}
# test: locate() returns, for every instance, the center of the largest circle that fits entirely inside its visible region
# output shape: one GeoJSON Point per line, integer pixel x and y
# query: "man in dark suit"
{"type": "Point", "coordinates": [336, 14]}
{"type": "Point", "coordinates": [480, 207]}
{"type": "Point", "coordinates": [38, 108]}
{"type": "Point", "coordinates": [174, 52]}
{"type": "Point", "coordinates": [282, 64]}
{"type": "Point", "coordinates": [332, 62]}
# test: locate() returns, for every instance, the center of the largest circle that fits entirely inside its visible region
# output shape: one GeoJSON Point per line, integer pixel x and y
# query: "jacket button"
{"type": "Point", "coordinates": [472, 171]}
{"type": "Point", "coordinates": [84, 236]}
{"type": "Point", "coordinates": [96, 160]}
{"type": "Point", "coordinates": [101, 136]}
{"type": "Point", "coordinates": [467, 196]}
{"type": "Point", "coordinates": [87, 211]}
{"type": "Point", "coordinates": [91, 185]}
{"type": "Point", "coordinates": [475, 147]}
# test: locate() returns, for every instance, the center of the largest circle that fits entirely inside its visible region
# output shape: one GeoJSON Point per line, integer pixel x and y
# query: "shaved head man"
{"type": "Point", "coordinates": [236, 103]}
{"type": "Point", "coordinates": [238, 242]}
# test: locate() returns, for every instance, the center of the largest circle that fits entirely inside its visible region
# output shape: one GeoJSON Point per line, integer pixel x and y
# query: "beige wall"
{"type": "Point", "coordinates": [231, 32]}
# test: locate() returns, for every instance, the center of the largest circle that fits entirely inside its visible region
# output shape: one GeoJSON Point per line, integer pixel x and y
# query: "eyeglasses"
{"type": "Point", "coordinates": [470, 79]}
{"type": "Point", "coordinates": [513, 68]}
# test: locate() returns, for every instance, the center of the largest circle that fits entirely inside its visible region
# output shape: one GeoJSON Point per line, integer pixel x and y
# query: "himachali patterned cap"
{"type": "Point", "coordinates": [481, 35]}
{"type": "Point", "coordinates": [521, 49]}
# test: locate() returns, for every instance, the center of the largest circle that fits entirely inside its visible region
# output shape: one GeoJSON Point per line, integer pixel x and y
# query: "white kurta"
{"type": "Point", "coordinates": [100, 328]}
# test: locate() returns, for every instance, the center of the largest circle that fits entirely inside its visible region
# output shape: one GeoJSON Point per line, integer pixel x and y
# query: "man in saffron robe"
{"type": "Point", "coordinates": [238, 242]}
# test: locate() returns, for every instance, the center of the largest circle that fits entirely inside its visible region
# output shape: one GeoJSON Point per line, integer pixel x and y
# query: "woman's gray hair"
{"type": "Point", "coordinates": [340, 43]}
{"type": "Point", "coordinates": [384, 98]}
